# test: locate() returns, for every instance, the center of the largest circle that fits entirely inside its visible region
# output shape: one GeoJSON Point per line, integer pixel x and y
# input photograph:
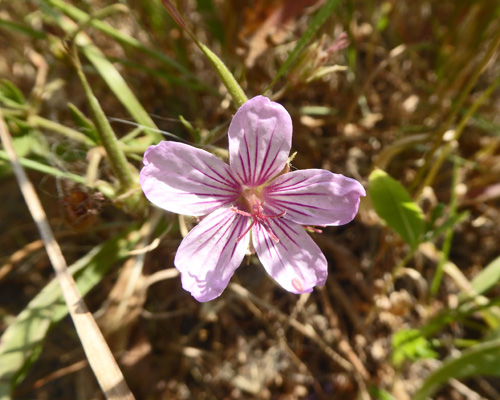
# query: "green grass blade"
{"type": "Point", "coordinates": [9, 90]}
{"type": "Point", "coordinates": [102, 186]}
{"type": "Point", "coordinates": [483, 359]}
{"type": "Point", "coordinates": [316, 23]}
{"type": "Point", "coordinates": [20, 28]}
{"type": "Point", "coordinates": [438, 276]}
{"type": "Point", "coordinates": [110, 75]}
{"type": "Point", "coordinates": [20, 343]}
{"type": "Point", "coordinates": [117, 84]}
{"type": "Point", "coordinates": [393, 204]}
{"type": "Point", "coordinates": [81, 17]}
{"type": "Point", "coordinates": [43, 123]}
{"type": "Point", "coordinates": [227, 78]}
{"type": "Point", "coordinates": [487, 278]}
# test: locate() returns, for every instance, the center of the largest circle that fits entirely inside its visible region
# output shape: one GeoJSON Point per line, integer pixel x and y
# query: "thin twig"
{"type": "Point", "coordinates": [306, 330]}
{"type": "Point", "coordinates": [18, 256]}
{"type": "Point", "coordinates": [309, 332]}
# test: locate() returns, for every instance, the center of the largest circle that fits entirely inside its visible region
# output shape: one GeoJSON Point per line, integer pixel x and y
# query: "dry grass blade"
{"type": "Point", "coordinates": [97, 351]}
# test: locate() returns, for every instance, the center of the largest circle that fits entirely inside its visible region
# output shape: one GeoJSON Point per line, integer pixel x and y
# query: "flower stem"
{"type": "Point", "coordinates": [225, 75]}
{"type": "Point", "coordinates": [116, 156]}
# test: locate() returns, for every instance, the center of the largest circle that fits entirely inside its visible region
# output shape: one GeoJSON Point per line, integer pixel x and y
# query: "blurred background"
{"type": "Point", "coordinates": [410, 88]}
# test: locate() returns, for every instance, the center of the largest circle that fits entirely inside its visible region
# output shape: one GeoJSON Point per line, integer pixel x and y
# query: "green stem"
{"type": "Point", "coordinates": [495, 42]}
{"type": "Point", "coordinates": [116, 156]}
{"type": "Point", "coordinates": [40, 122]}
{"type": "Point", "coordinates": [140, 146]}
{"type": "Point", "coordinates": [438, 276]}
{"type": "Point", "coordinates": [475, 106]}
{"type": "Point", "coordinates": [225, 75]}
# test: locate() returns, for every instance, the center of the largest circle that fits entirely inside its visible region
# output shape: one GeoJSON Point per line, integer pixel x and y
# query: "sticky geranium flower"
{"type": "Point", "coordinates": [252, 203]}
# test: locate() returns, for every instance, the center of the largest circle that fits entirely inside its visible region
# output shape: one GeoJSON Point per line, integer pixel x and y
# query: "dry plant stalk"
{"type": "Point", "coordinates": [100, 358]}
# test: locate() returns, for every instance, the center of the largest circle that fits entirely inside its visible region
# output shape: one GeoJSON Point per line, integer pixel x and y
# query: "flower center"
{"type": "Point", "coordinates": [251, 199]}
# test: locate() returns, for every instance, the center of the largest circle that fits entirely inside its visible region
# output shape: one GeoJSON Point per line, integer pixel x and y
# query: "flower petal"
{"type": "Point", "coordinates": [260, 137]}
{"type": "Point", "coordinates": [186, 180]}
{"type": "Point", "coordinates": [314, 197]}
{"type": "Point", "coordinates": [295, 262]}
{"type": "Point", "coordinates": [209, 254]}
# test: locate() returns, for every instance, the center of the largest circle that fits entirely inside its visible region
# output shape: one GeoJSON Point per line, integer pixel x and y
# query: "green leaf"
{"type": "Point", "coordinates": [446, 225]}
{"type": "Point", "coordinates": [379, 394]}
{"type": "Point", "coordinates": [10, 91]}
{"type": "Point", "coordinates": [393, 204]}
{"type": "Point", "coordinates": [32, 143]}
{"type": "Point", "coordinates": [316, 23]}
{"type": "Point", "coordinates": [22, 29]}
{"type": "Point", "coordinates": [410, 344]}
{"type": "Point", "coordinates": [20, 344]}
{"type": "Point", "coordinates": [487, 278]}
{"type": "Point", "coordinates": [483, 359]}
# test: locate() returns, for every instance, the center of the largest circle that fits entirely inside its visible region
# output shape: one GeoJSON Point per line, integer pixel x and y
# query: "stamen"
{"type": "Point", "coordinates": [313, 229]}
{"type": "Point", "coordinates": [238, 211]}
{"type": "Point", "coordinates": [258, 217]}
{"type": "Point", "coordinates": [246, 231]}
{"type": "Point", "coordinates": [270, 232]}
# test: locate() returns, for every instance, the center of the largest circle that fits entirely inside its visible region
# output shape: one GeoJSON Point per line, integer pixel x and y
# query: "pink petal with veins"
{"type": "Point", "coordinates": [210, 253]}
{"type": "Point", "coordinates": [314, 197]}
{"type": "Point", "coordinates": [295, 262]}
{"type": "Point", "coordinates": [260, 137]}
{"type": "Point", "coordinates": [248, 196]}
{"type": "Point", "coordinates": [186, 180]}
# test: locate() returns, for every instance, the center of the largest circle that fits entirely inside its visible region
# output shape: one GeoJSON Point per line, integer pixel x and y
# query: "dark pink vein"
{"type": "Point", "coordinates": [261, 178]}
{"type": "Point", "coordinates": [231, 189]}
{"type": "Point", "coordinates": [223, 180]}
{"type": "Point", "coordinates": [219, 226]}
{"type": "Point", "coordinates": [248, 159]}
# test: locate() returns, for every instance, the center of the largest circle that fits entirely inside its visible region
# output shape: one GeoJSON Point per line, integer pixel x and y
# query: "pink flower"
{"type": "Point", "coordinates": [254, 202]}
